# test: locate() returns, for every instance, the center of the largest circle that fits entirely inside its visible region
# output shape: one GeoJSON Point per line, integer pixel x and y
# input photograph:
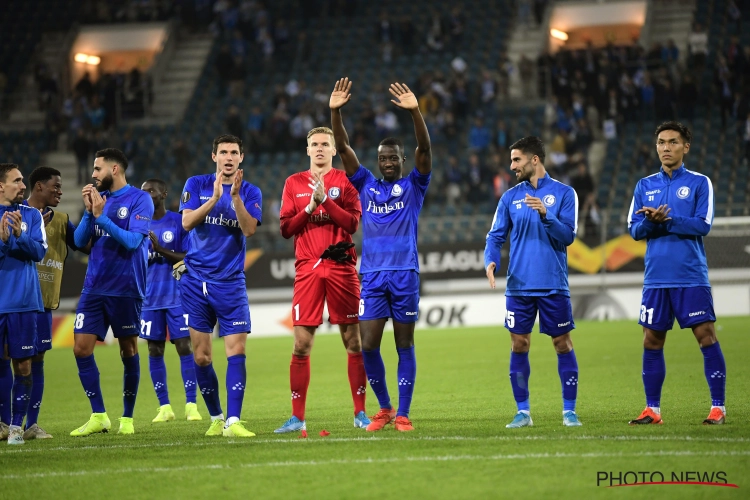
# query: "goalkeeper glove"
{"type": "Point", "coordinates": [338, 252]}
{"type": "Point", "coordinates": [178, 270]}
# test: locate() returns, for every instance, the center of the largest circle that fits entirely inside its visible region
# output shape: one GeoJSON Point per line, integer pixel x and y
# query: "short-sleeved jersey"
{"type": "Point", "coordinates": [675, 256]}
{"type": "Point", "coordinates": [538, 247]}
{"type": "Point", "coordinates": [320, 231]}
{"type": "Point", "coordinates": [390, 214]}
{"type": "Point", "coordinates": [162, 290]}
{"type": "Point", "coordinates": [114, 270]}
{"type": "Point", "coordinates": [216, 246]}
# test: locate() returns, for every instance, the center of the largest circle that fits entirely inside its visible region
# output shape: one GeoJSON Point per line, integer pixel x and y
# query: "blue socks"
{"type": "Point", "coordinates": [89, 375]}
{"type": "Point", "coordinates": [209, 386]}
{"type": "Point", "coordinates": [21, 396]}
{"type": "Point", "coordinates": [158, 371]}
{"type": "Point", "coordinates": [407, 376]}
{"type": "Point", "coordinates": [187, 367]}
{"type": "Point", "coordinates": [130, 380]}
{"type": "Point", "coordinates": [236, 381]}
{"type": "Point", "coordinates": [37, 391]}
{"type": "Point", "coordinates": [567, 368]}
{"type": "Point", "coordinates": [654, 373]}
{"type": "Point", "coordinates": [716, 373]}
{"type": "Point", "coordinates": [520, 371]}
{"type": "Point", "coordinates": [6, 387]}
{"type": "Point", "coordinates": [375, 370]}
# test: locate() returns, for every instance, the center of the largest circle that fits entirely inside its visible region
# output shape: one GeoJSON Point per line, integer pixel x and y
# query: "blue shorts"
{"type": "Point", "coordinates": [155, 322]}
{"type": "Point", "coordinates": [206, 303]}
{"type": "Point", "coordinates": [44, 331]}
{"type": "Point", "coordinates": [390, 294]}
{"type": "Point", "coordinates": [18, 331]}
{"type": "Point", "coordinates": [555, 314]}
{"type": "Point", "coordinates": [96, 313]}
{"type": "Point", "coordinates": [692, 306]}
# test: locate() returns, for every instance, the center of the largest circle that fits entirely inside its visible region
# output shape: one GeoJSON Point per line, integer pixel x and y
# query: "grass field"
{"type": "Point", "coordinates": [461, 448]}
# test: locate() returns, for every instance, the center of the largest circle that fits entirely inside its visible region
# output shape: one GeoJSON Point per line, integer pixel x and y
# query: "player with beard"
{"type": "Point", "coordinates": [116, 225]}
{"type": "Point", "coordinates": [220, 211]}
{"type": "Point", "coordinates": [162, 308]}
{"type": "Point", "coordinates": [540, 215]}
{"type": "Point", "coordinates": [46, 191]}
{"type": "Point", "coordinates": [23, 242]}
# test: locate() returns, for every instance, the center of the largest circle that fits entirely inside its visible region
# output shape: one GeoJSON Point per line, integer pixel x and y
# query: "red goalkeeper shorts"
{"type": "Point", "coordinates": [317, 282]}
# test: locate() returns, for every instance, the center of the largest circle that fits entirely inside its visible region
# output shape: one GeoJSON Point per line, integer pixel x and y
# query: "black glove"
{"type": "Point", "coordinates": [338, 252]}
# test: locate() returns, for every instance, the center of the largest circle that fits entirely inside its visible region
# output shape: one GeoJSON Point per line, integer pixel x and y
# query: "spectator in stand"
{"type": "Point", "coordinates": [488, 87]}
{"type": "Point", "coordinates": [386, 122]}
{"type": "Point", "coordinates": [480, 136]}
{"type": "Point", "coordinates": [647, 98]}
{"type": "Point", "coordinates": [96, 114]}
{"type": "Point", "coordinates": [224, 64]}
{"type": "Point", "coordinates": [130, 149]}
{"type": "Point", "coordinates": [500, 182]}
{"type": "Point", "coordinates": [453, 182]}
{"type": "Point", "coordinates": [740, 109]}
{"type": "Point", "coordinates": [645, 159]}
{"type": "Point", "coordinates": [687, 97]}
{"type": "Point", "coordinates": [255, 130]}
{"type": "Point", "coordinates": [723, 81]}
{"type": "Point", "coordinates": [477, 178]}
{"type": "Point", "coordinates": [384, 36]}
{"type": "Point", "coordinates": [526, 72]}
{"type": "Point", "coordinates": [85, 87]}
{"type": "Point", "coordinates": [233, 123]}
{"type": "Point", "coordinates": [502, 136]}
{"type": "Point", "coordinates": [456, 24]}
{"type": "Point", "coordinates": [747, 140]}
{"type": "Point", "coordinates": [435, 32]}
{"type": "Point", "coordinates": [406, 34]}
{"type": "Point", "coordinates": [583, 184]}
{"type": "Point", "coordinates": [698, 45]}
{"type": "Point", "coordinates": [182, 161]}
{"type": "Point", "coordinates": [237, 76]}
{"type": "Point", "coordinates": [82, 148]}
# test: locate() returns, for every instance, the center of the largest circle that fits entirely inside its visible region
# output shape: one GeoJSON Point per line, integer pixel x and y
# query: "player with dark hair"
{"type": "Point", "coordinates": [162, 308]}
{"type": "Point", "coordinates": [46, 191]}
{"type": "Point", "coordinates": [116, 223]}
{"type": "Point", "coordinates": [390, 263]}
{"type": "Point", "coordinates": [673, 210]}
{"type": "Point", "coordinates": [320, 209]}
{"type": "Point", "coordinates": [540, 215]}
{"type": "Point", "coordinates": [23, 242]}
{"type": "Point", "coordinates": [220, 211]}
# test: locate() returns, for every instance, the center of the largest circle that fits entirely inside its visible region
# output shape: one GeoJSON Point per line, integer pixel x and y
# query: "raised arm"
{"type": "Point", "coordinates": [248, 223]}
{"type": "Point", "coordinates": [407, 100]}
{"type": "Point", "coordinates": [339, 97]}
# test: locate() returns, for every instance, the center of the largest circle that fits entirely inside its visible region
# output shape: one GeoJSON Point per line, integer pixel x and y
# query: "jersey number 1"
{"type": "Point", "coordinates": [644, 312]}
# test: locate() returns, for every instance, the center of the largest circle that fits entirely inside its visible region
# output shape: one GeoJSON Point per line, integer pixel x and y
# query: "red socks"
{"type": "Point", "coordinates": [357, 381]}
{"type": "Point", "coordinates": [299, 381]}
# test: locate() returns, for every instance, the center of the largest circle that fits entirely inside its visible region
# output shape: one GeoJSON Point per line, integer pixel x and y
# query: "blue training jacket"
{"type": "Point", "coordinates": [675, 257]}
{"type": "Point", "coordinates": [20, 291]}
{"type": "Point", "coordinates": [538, 247]}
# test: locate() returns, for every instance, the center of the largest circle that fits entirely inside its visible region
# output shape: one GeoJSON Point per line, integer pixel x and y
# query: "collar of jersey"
{"type": "Point", "coordinates": [675, 174]}
{"type": "Point", "coordinates": [539, 181]}
{"type": "Point", "coordinates": [120, 191]}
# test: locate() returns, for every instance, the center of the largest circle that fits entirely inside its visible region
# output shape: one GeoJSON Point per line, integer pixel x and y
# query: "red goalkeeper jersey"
{"type": "Point", "coordinates": [335, 220]}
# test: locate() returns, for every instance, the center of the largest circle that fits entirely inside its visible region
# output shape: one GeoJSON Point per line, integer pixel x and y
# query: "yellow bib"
{"type": "Point", "coordinates": [50, 269]}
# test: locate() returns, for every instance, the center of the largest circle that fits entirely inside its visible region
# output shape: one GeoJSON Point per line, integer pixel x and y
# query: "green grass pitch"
{"type": "Point", "coordinates": [460, 449]}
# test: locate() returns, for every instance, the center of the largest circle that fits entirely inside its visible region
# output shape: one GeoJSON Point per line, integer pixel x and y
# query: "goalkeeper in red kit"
{"type": "Point", "coordinates": [321, 210]}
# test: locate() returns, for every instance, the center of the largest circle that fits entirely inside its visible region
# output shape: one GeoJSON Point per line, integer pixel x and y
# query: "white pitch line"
{"type": "Point", "coordinates": [369, 439]}
{"type": "Point", "coordinates": [416, 459]}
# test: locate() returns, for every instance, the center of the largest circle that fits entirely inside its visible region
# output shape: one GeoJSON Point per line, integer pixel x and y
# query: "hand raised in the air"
{"type": "Point", "coordinates": [490, 271]}
{"type": "Point", "coordinates": [341, 93]}
{"type": "Point", "coordinates": [97, 203]}
{"type": "Point", "coordinates": [218, 187]}
{"type": "Point", "coordinates": [406, 99]}
{"type": "Point", "coordinates": [237, 183]}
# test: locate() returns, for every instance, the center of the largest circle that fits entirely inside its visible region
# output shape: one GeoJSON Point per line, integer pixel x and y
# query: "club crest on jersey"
{"type": "Point", "coordinates": [167, 236]}
{"type": "Point", "coordinates": [232, 205]}
{"type": "Point", "coordinates": [122, 212]}
{"type": "Point", "coordinates": [185, 197]}
{"type": "Point", "coordinates": [334, 193]}
{"type": "Point", "coordinates": [683, 192]}
{"type": "Point", "coordinates": [24, 226]}
{"type": "Point", "coordinates": [397, 190]}
{"type": "Point", "coordinates": [548, 200]}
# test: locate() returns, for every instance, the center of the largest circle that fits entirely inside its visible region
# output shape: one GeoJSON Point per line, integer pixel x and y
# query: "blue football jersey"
{"type": "Point", "coordinates": [390, 214]}
{"type": "Point", "coordinates": [114, 270]}
{"type": "Point", "coordinates": [675, 256]}
{"type": "Point", "coordinates": [538, 247]}
{"type": "Point", "coordinates": [162, 290]}
{"type": "Point", "coordinates": [216, 247]}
